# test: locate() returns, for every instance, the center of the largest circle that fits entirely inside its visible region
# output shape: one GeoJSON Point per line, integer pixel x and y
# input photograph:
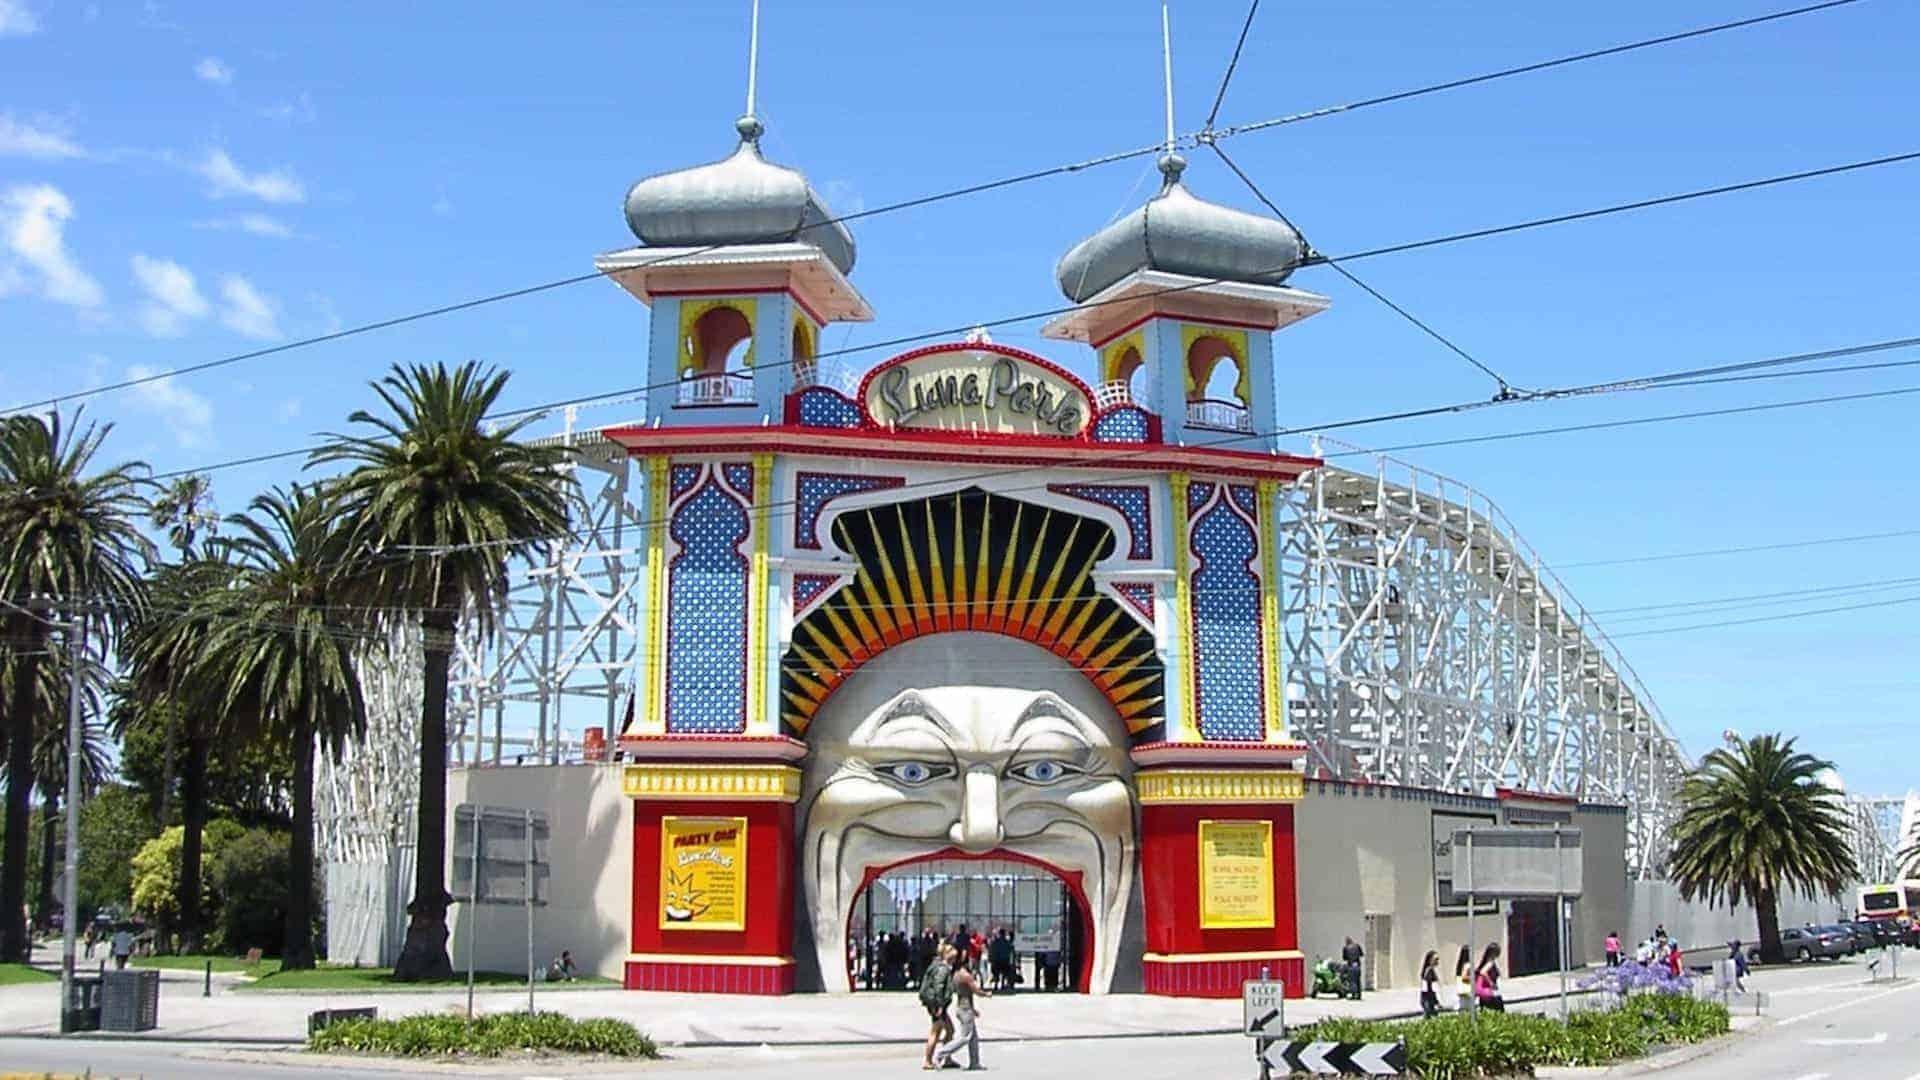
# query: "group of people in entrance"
{"type": "Point", "coordinates": [895, 961]}
{"type": "Point", "coordinates": [1473, 985]}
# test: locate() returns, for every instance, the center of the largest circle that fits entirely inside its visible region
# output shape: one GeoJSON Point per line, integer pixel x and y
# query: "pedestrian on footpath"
{"type": "Point", "coordinates": [1613, 949]}
{"type": "Point", "coordinates": [1486, 980]}
{"type": "Point", "coordinates": [966, 1016]}
{"type": "Point", "coordinates": [1463, 978]}
{"type": "Point", "coordinates": [936, 993]}
{"type": "Point", "coordinates": [1430, 985]}
{"type": "Point", "coordinates": [1350, 955]}
{"type": "Point", "coordinates": [1739, 957]}
{"type": "Point", "coordinates": [122, 946]}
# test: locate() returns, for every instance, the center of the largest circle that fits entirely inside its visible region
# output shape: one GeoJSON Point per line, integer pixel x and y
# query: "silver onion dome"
{"type": "Point", "coordinates": [1180, 233]}
{"type": "Point", "coordinates": [740, 199]}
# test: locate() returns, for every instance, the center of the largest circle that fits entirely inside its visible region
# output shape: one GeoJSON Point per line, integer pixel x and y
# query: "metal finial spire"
{"type": "Point", "coordinates": [1166, 62]}
{"type": "Point", "coordinates": [753, 56]}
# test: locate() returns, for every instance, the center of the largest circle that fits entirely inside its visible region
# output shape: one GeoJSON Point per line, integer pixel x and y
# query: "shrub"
{"type": "Point", "coordinates": [250, 876]}
{"type": "Point", "coordinates": [445, 1035]}
{"type": "Point", "coordinates": [1457, 1047]}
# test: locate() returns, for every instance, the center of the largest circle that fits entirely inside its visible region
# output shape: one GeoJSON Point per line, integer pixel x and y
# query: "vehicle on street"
{"type": "Point", "coordinates": [1865, 934]}
{"type": "Point", "coordinates": [1899, 900]}
{"type": "Point", "coordinates": [1815, 942]}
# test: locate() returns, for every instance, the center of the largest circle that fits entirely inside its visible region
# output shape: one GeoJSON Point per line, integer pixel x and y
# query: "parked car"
{"type": "Point", "coordinates": [1810, 942]}
{"type": "Point", "coordinates": [1885, 931]}
{"type": "Point", "coordinates": [1863, 933]}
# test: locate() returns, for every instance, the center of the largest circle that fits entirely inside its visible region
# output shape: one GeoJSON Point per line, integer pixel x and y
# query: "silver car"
{"type": "Point", "coordinates": [1809, 942]}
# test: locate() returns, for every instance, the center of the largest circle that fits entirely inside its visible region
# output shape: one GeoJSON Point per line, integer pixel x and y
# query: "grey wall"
{"type": "Point", "coordinates": [590, 848]}
{"type": "Point", "coordinates": [1696, 925]}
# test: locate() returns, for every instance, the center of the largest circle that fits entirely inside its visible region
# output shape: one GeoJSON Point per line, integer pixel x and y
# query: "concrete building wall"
{"type": "Point", "coordinates": [1698, 926]}
{"type": "Point", "coordinates": [1603, 906]}
{"type": "Point", "coordinates": [590, 849]}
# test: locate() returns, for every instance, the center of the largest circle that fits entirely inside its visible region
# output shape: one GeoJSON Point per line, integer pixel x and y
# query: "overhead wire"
{"type": "Point", "coordinates": [1192, 139]}
{"type": "Point", "coordinates": [1765, 618]}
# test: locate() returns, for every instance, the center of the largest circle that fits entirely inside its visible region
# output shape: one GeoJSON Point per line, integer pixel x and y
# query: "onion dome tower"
{"type": "Point", "coordinates": [1180, 299]}
{"type": "Point", "coordinates": [743, 265]}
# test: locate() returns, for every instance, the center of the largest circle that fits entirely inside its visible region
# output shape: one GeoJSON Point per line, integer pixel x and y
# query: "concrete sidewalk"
{"type": "Point", "coordinates": [717, 1020]}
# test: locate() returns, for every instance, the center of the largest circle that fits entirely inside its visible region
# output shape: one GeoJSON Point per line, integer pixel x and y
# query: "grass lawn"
{"type": "Point", "coordinates": [381, 979]}
{"type": "Point", "coordinates": [11, 974]}
{"type": "Point", "coordinates": [199, 963]}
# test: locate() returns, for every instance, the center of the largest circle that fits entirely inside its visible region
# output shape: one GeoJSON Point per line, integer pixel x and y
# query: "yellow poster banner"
{"type": "Point", "coordinates": [1236, 875]}
{"type": "Point", "coordinates": [703, 873]}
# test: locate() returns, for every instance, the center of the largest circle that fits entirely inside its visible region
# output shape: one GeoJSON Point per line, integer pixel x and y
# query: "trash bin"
{"type": "Point", "coordinates": [83, 1008]}
{"type": "Point", "coordinates": [130, 1000]}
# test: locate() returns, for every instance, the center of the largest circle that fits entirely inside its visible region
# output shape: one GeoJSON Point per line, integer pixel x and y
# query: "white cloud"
{"type": "Point", "coordinates": [25, 140]}
{"type": "Point", "coordinates": [248, 312]}
{"type": "Point", "coordinates": [252, 224]}
{"type": "Point", "coordinates": [322, 306]}
{"type": "Point", "coordinates": [33, 221]}
{"type": "Point", "coordinates": [16, 19]}
{"type": "Point", "coordinates": [212, 69]}
{"type": "Point", "coordinates": [228, 178]}
{"type": "Point", "coordinates": [173, 298]}
{"type": "Point", "coordinates": [186, 414]}
{"type": "Point", "coordinates": [300, 109]}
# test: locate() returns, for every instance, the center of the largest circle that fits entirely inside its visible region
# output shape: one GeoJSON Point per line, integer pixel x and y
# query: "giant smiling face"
{"type": "Point", "coordinates": [974, 768]}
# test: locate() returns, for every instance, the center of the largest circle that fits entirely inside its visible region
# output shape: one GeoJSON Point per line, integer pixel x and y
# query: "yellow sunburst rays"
{"type": "Point", "coordinates": [937, 574]}
{"type": "Point", "coordinates": [921, 614]}
{"type": "Point", "coordinates": [1003, 587]}
{"type": "Point", "coordinates": [976, 610]}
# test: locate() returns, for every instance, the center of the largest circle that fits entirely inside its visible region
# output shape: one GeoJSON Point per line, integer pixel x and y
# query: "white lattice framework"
{"type": "Point", "coordinates": [1882, 828]}
{"type": "Point", "coordinates": [1428, 646]}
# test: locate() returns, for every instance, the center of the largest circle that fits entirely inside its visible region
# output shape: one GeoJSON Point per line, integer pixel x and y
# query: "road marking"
{"type": "Point", "coordinates": [1871, 1040]}
{"type": "Point", "coordinates": [1847, 1004]}
{"type": "Point", "coordinates": [1813, 1076]}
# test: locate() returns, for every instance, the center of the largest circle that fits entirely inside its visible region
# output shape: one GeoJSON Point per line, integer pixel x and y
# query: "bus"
{"type": "Point", "coordinates": [1900, 901]}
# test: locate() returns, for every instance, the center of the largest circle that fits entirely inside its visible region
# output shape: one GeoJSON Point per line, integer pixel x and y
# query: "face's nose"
{"type": "Point", "coordinates": [978, 829]}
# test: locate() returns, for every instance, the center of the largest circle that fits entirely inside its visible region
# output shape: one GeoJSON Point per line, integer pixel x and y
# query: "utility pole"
{"type": "Point", "coordinates": [76, 630]}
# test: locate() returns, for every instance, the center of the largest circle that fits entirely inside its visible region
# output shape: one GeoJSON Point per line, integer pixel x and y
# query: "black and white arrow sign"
{"type": "Point", "coordinates": [1354, 1059]}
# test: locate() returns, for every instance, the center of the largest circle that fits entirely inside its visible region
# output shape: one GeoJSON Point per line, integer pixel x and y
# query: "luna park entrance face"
{"type": "Point", "coordinates": [1033, 915]}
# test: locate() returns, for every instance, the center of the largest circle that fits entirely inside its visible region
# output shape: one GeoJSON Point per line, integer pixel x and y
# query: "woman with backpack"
{"type": "Point", "coordinates": [966, 1030]}
{"type": "Point", "coordinates": [936, 992]}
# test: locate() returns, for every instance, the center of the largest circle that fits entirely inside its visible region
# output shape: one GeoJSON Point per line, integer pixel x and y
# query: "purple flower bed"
{"type": "Point", "coordinates": [1635, 978]}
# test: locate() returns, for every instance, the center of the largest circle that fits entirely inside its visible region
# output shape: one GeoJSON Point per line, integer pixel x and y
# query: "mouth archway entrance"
{"type": "Point", "coordinates": [1043, 907]}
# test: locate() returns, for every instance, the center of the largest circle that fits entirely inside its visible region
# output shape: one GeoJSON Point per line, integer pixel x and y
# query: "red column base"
{"type": "Point", "coordinates": [1194, 975]}
{"type": "Point", "coordinates": [695, 976]}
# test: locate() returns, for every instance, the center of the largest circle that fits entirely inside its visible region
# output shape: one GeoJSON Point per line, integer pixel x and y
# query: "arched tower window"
{"type": "Point", "coordinates": [804, 372]}
{"type": "Point", "coordinates": [718, 341]}
{"type": "Point", "coordinates": [1208, 358]}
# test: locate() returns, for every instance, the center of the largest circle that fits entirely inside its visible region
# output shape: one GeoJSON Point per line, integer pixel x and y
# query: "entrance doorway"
{"type": "Point", "coordinates": [1533, 942]}
{"type": "Point", "coordinates": [1041, 915]}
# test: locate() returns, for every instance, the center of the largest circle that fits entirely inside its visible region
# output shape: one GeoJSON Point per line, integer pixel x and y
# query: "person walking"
{"type": "Point", "coordinates": [1613, 949]}
{"type": "Point", "coordinates": [1350, 955]}
{"type": "Point", "coordinates": [1676, 959]}
{"type": "Point", "coordinates": [1463, 978]}
{"type": "Point", "coordinates": [1486, 980]}
{"type": "Point", "coordinates": [1430, 985]}
{"type": "Point", "coordinates": [1739, 957]}
{"type": "Point", "coordinates": [936, 994]}
{"type": "Point", "coordinates": [121, 947]}
{"type": "Point", "coordinates": [966, 1017]}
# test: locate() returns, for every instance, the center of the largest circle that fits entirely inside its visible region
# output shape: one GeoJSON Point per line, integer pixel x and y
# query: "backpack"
{"type": "Point", "coordinates": [936, 986]}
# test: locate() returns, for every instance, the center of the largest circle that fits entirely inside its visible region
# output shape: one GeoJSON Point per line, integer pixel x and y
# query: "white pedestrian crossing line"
{"type": "Point", "coordinates": [1809, 1076]}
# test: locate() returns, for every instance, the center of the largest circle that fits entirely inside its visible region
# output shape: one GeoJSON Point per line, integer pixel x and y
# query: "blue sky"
{"type": "Point", "coordinates": [179, 182]}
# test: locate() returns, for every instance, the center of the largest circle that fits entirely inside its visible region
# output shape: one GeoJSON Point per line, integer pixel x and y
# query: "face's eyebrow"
{"type": "Point", "coordinates": [1044, 708]}
{"type": "Point", "coordinates": [910, 709]}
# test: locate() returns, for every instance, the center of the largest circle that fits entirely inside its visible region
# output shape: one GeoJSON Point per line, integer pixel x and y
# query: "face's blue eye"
{"type": "Point", "coordinates": [914, 772]}
{"type": "Point", "coordinates": [1043, 771]}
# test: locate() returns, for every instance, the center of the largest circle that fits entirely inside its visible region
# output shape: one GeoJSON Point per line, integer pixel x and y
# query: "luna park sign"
{"type": "Point", "coordinates": [978, 388]}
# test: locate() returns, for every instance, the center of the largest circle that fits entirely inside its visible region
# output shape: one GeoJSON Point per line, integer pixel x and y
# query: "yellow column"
{"type": "Point", "coordinates": [1183, 723]}
{"type": "Point", "coordinates": [757, 594]}
{"type": "Point", "coordinates": [1270, 637]}
{"type": "Point", "coordinates": [652, 719]}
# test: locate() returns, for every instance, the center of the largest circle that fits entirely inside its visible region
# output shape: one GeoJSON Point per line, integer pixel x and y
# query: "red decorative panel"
{"type": "Point", "coordinates": [769, 907]}
{"type": "Point", "coordinates": [1190, 977]}
{"type": "Point", "coordinates": [1170, 871]}
{"type": "Point", "coordinates": [692, 978]}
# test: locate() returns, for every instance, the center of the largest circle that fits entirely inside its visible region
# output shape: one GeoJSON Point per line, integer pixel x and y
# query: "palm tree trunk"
{"type": "Point", "coordinates": [43, 907]}
{"type": "Point", "coordinates": [1766, 905]}
{"type": "Point", "coordinates": [193, 820]}
{"type": "Point", "coordinates": [163, 805]}
{"type": "Point", "coordinates": [15, 945]}
{"type": "Point", "coordinates": [296, 952]}
{"type": "Point", "coordinates": [424, 956]}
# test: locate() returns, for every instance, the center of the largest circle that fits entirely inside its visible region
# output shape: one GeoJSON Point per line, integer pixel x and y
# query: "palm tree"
{"type": "Point", "coordinates": [291, 649]}
{"type": "Point", "coordinates": [1757, 820]}
{"type": "Point", "coordinates": [182, 508]}
{"type": "Point", "coordinates": [165, 652]}
{"type": "Point", "coordinates": [67, 539]}
{"type": "Point", "coordinates": [50, 755]}
{"type": "Point", "coordinates": [435, 504]}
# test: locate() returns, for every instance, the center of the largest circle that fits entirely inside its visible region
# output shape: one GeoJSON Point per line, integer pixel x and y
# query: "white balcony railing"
{"type": "Point", "coordinates": [1109, 394]}
{"type": "Point", "coordinates": [725, 388]}
{"type": "Point", "coordinates": [1218, 415]}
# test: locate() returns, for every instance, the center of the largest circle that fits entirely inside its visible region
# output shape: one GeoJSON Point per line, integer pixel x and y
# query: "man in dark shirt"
{"type": "Point", "coordinates": [1351, 955]}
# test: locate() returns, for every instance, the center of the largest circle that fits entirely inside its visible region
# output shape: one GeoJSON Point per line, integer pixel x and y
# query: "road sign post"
{"type": "Point", "coordinates": [1263, 1015]}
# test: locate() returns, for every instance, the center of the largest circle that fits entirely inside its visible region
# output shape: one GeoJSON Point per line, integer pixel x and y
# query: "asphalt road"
{"type": "Point", "coordinates": [1826, 1022]}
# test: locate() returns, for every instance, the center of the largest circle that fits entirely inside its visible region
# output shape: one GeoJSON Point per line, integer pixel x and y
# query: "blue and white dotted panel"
{"type": "Point", "coordinates": [812, 492]}
{"type": "Point", "coordinates": [707, 609]}
{"type": "Point", "coordinates": [822, 407]}
{"type": "Point", "coordinates": [1134, 502]}
{"type": "Point", "coordinates": [1123, 424]}
{"type": "Point", "coordinates": [1226, 622]}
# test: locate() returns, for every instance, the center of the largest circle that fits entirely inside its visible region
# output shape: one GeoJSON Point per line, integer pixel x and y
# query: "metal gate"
{"type": "Point", "coordinates": [989, 896]}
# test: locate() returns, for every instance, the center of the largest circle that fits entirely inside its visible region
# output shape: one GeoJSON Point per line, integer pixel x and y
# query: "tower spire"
{"type": "Point", "coordinates": [1166, 63]}
{"type": "Point", "coordinates": [753, 57]}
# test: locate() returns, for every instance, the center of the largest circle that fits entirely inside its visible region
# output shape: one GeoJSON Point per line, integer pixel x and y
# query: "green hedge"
{"type": "Point", "coordinates": [441, 1035]}
{"type": "Point", "coordinates": [1456, 1047]}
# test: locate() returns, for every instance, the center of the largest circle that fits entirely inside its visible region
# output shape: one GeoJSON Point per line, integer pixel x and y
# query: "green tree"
{"type": "Point", "coordinates": [50, 756]}
{"type": "Point", "coordinates": [67, 541]}
{"type": "Point", "coordinates": [159, 884]}
{"type": "Point", "coordinates": [249, 878]}
{"type": "Point", "coordinates": [184, 510]}
{"type": "Point", "coordinates": [436, 501]}
{"type": "Point", "coordinates": [114, 824]}
{"type": "Point", "coordinates": [1757, 821]}
{"type": "Point", "coordinates": [164, 649]}
{"type": "Point", "coordinates": [291, 648]}
{"type": "Point", "coordinates": [248, 781]}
